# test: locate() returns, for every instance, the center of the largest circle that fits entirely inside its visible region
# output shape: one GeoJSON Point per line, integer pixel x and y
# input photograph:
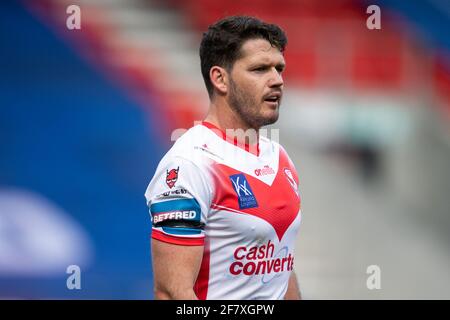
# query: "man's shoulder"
{"type": "Point", "coordinates": [186, 146]}
{"type": "Point", "coordinates": [180, 166]}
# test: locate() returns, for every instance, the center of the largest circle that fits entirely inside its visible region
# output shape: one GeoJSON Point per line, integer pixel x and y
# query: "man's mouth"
{"type": "Point", "coordinates": [273, 98]}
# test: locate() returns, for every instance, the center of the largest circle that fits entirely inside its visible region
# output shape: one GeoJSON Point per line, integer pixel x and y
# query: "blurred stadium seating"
{"type": "Point", "coordinates": [74, 137]}
{"type": "Point", "coordinates": [85, 116]}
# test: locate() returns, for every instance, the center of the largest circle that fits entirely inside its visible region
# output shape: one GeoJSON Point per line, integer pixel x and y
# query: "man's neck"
{"type": "Point", "coordinates": [224, 118]}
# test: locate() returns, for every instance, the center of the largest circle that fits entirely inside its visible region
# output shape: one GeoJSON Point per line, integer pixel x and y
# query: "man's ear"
{"type": "Point", "coordinates": [219, 79]}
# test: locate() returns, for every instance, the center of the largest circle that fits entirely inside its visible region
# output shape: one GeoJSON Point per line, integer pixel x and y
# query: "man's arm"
{"type": "Point", "coordinates": [175, 270]}
{"type": "Point", "coordinates": [293, 290]}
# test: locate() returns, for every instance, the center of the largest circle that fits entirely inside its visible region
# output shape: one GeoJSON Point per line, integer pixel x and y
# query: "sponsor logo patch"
{"type": "Point", "coordinates": [173, 193]}
{"type": "Point", "coordinates": [175, 215]}
{"type": "Point", "coordinates": [261, 260]}
{"type": "Point", "coordinates": [266, 170]}
{"type": "Point", "coordinates": [244, 192]}
{"type": "Point", "coordinates": [182, 209]}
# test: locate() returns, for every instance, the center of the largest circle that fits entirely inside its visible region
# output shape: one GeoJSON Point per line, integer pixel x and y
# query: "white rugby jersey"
{"type": "Point", "coordinates": [240, 202]}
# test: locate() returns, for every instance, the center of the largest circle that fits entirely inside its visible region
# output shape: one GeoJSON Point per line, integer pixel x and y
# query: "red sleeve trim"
{"type": "Point", "coordinates": [182, 241]}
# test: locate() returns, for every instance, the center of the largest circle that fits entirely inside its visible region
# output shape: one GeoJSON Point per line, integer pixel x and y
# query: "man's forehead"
{"type": "Point", "coordinates": [259, 49]}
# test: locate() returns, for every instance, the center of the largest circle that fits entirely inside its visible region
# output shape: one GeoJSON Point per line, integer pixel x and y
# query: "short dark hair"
{"type": "Point", "coordinates": [221, 44]}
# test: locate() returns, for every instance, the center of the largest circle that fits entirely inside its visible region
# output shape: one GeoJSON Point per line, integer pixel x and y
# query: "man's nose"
{"type": "Point", "coordinates": [276, 79]}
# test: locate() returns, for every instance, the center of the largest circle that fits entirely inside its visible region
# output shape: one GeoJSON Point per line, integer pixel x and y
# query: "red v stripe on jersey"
{"type": "Point", "coordinates": [278, 204]}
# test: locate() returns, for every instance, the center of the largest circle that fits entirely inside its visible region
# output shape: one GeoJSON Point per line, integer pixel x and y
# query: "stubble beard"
{"type": "Point", "coordinates": [246, 107]}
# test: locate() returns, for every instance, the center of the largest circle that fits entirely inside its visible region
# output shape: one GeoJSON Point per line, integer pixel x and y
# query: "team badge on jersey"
{"type": "Point", "coordinates": [172, 177]}
{"type": "Point", "coordinates": [291, 180]}
{"type": "Point", "coordinates": [245, 194]}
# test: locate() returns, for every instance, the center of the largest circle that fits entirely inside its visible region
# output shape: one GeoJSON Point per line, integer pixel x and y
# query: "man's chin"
{"type": "Point", "coordinates": [270, 118]}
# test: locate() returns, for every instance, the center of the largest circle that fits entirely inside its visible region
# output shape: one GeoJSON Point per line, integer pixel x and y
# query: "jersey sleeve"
{"type": "Point", "coordinates": [179, 198]}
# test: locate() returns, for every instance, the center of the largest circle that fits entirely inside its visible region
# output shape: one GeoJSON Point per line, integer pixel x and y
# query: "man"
{"type": "Point", "coordinates": [225, 207]}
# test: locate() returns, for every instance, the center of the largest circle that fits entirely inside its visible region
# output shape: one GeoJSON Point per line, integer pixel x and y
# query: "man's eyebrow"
{"type": "Point", "coordinates": [267, 64]}
{"type": "Point", "coordinates": [259, 64]}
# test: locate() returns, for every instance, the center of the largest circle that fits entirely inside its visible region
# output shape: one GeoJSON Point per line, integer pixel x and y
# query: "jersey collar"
{"type": "Point", "coordinates": [219, 132]}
